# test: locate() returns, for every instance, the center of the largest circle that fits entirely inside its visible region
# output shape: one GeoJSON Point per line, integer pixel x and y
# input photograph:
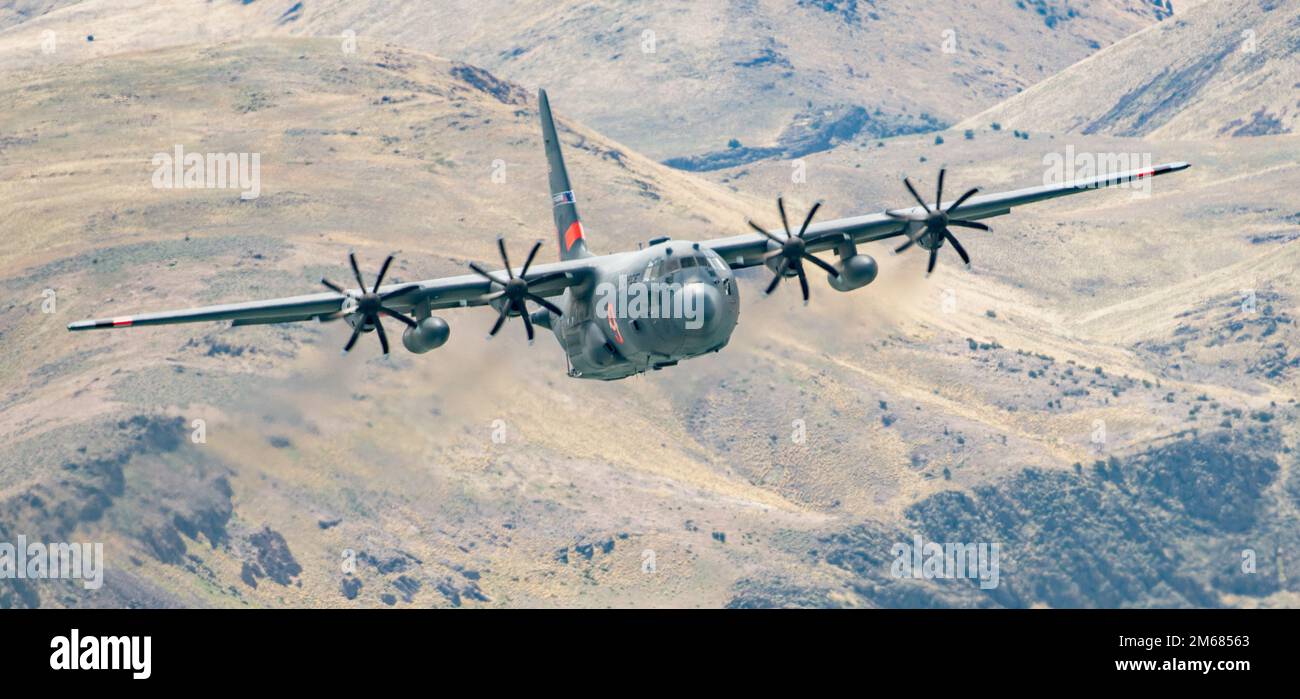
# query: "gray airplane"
{"type": "Point", "coordinates": [625, 313]}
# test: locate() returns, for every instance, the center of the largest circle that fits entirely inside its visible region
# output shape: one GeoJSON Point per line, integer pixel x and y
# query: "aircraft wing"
{"type": "Point", "coordinates": [749, 250]}
{"type": "Point", "coordinates": [448, 292]}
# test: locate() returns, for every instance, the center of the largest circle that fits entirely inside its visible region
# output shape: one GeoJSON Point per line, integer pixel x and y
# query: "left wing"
{"type": "Point", "coordinates": [448, 292]}
{"type": "Point", "coordinates": [752, 249]}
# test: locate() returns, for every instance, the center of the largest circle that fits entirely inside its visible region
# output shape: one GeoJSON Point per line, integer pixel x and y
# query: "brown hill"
{"type": "Point", "coordinates": [1219, 69]}
{"type": "Point", "coordinates": [955, 406]}
{"type": "Point", "coordinates": [707, 73]}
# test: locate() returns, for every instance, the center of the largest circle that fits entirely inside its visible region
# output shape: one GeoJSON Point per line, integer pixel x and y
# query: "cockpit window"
{"type": "Point", "coordinates": [661, 268]}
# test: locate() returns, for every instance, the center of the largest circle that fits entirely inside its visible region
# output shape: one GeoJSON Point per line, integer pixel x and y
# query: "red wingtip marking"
{"type": "Point", "coordinates": [573, 235]}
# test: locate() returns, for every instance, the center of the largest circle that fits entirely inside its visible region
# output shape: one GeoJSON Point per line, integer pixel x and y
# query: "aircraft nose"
{"type": "Point", "coordinates": [701, 306]}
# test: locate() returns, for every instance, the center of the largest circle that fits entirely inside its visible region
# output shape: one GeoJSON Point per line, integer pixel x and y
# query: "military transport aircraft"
{"type": "Point", "coordinates": [693, 301]}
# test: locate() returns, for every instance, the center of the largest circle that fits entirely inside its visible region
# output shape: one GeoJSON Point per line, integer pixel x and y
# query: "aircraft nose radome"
{"type": "Point", "coordinates": [701, 304]}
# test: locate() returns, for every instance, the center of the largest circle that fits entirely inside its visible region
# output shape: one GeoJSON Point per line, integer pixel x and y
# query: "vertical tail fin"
{"type": "Point", "coordinates": [568, 228]}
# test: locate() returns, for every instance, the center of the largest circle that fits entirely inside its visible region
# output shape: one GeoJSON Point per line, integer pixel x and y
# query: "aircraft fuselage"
{"type": "Point", "coordinates": [646, 310]}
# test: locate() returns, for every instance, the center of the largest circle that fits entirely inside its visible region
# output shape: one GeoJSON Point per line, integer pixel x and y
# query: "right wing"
{"type": "Point", "coordinates": [749, 250]}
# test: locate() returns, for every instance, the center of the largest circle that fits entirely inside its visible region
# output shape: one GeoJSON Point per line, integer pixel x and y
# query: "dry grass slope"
{"type": "Point", "coordinates": [1219, 69]}
{"type": "Point", "coordinates": [947, 406]}
{"type": "Point", "coordinates": [705, 73]}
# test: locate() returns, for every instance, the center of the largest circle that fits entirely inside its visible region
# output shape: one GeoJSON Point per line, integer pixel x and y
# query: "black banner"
{"type": "Point", "coordinates": [934, 649]}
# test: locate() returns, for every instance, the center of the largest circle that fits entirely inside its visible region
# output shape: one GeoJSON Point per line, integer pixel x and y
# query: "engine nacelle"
{"type": "Point", "coordinates": [856, 272]}
{"type": "Point", "coordinates": [430, 333]}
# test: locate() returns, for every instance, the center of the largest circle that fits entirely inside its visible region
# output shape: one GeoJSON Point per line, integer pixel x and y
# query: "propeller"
{"type": "Point", "coordinates": [933, 230]}
{"type": "Point", "coordinates": [368, 305]}
{"type": "Point", "coordinates": [793, 251]}
{"type": "Point", "coordinates": [513, 291]}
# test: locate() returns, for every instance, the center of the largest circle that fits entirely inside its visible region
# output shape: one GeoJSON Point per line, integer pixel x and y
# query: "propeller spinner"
{"type": "Point", "coordinates": [793, 251]}
{"type": "Point", "coordinates": [933, 230]}
{"type": "Point", "coordinates": [513, 291]}
{"type": "Point", "coordinates": [365, 307]}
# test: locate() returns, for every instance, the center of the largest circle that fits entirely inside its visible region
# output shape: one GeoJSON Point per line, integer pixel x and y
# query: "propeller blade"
{"type": "Point", "coordinates": [900, 217]}
{"type": "Point", "coordinates": [383, 337]}
{"type": "Point", "coordinates": [501, 245]}
{"type": "Point", "coordinates": [818, 237]}
{"type": "Point", "coordinates": [785, 223]}
{"type": "Point", "coordinates": [969, 224]}
{"type": "Point", "coordinates": [957, 246]}
{"type": "Point", "coordinates": [352, 257]}
{"type": "Point", "coordinates": [803, 284]}
{"type": "Point", "coordinates": [383, 269]}
{"type": "Point", "coordinates": [912, 237]}
{"type": "Point", "coordinates": [398, 315]}
{"type": "Point", "coordinates": [820, 263]}
{"type": "Point", "coordinates": [399, 291]}
{"type": "Point", "coordinates": [356, 332]}
{"type": "Point", "coordinates": [756, 227]}
{"type": "Point", "coordinates": [808, 219]}
{"type": "Point", "coordinates": [934, 256]}
{"type": "Point", "coordinates": [483, 273]}
{"type": "Point", "coordinates": [938, 193]}
{"type": "Point", "coordinates": [372, 316]}
{"type": "Point", "coordinates": [512, 295]}
{"type": "Point", "coordinates": [501, 319]}
{"type": "Point", "coordinates": [916, 196]}
{"type": "Point", "coordinates": [544, 304]}
{"type": "Point", "coordinates": [962, 200]}
{"type": "Point", "coordinates": [531, 254]}
{"type": "Point", "coordinates": [776, 278]}
{"type": "Point", "coordinates": [543, 278]}
{"type": "Point", "coordinates": [528, 323]}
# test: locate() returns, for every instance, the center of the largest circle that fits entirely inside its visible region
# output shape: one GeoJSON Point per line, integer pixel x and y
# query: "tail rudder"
{"type": "Point", "coordinates": [568, 227]}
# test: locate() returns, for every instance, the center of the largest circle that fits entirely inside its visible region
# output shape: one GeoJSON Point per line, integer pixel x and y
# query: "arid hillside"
{"type": "Point", "coordinates": [669, 79]}
{"type": "Point", "coordinates": [1110, 392]}
{"type": "Point", "coordinates": [1218, 69]}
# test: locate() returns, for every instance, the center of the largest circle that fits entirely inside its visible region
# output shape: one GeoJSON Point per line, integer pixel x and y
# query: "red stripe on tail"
{"type": "Point", "coordinates": [573, 235]}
